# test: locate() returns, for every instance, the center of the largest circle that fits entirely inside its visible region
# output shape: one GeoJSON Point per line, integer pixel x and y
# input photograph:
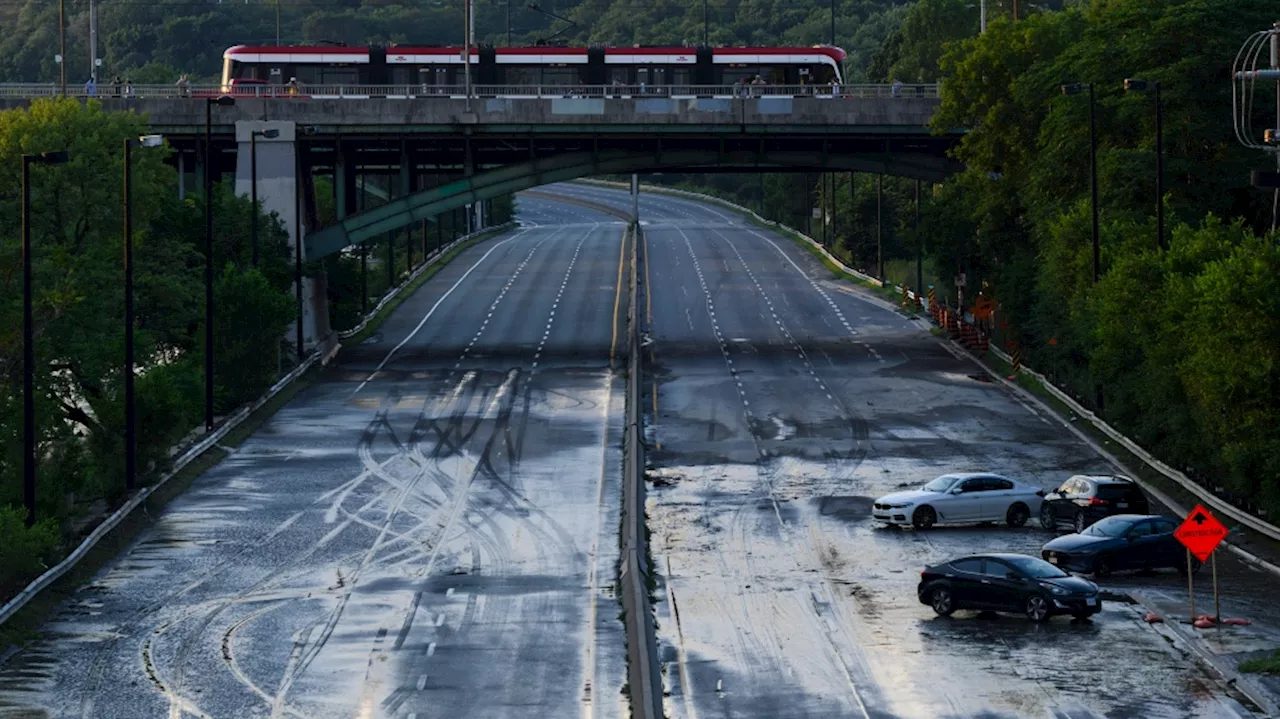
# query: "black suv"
{"type": "Point", "coordinates": [1083, 500]}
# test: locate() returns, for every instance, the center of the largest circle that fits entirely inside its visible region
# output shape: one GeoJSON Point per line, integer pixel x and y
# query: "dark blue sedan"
{"type": "Point", "coordinates": [1122, 541]}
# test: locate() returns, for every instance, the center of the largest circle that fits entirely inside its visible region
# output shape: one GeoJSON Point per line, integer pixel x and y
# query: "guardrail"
{"type": "Point", "coordinates": [323, 356]}
{"type": "Point", "coordinates": [433, 259]}
{"type": "Point", "coordinates": [643, 677]}
{"type": "Point", "coordinates": [1209, 498]}
{"type": "Point", "coordinates": [414, 92]}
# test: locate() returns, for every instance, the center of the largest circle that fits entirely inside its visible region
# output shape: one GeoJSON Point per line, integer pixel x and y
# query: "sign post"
{"type": "Point", "coordinates": [1201, 533]}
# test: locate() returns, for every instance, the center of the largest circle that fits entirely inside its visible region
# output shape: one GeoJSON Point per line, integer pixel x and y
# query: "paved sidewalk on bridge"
{"type": "Point", "coordinates": [1224, 646]}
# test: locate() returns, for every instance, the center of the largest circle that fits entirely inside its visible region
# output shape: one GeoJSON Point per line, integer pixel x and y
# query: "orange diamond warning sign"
{"type": "Point", "coordinates": [1200, 532]}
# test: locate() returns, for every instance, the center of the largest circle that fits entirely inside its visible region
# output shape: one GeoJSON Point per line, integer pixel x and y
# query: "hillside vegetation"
{"type": "Point", "coordinates": [157, 41]}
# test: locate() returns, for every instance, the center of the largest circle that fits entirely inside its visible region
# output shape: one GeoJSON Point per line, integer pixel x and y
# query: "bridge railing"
{"type": "Point", "coordinates": [357, 92]}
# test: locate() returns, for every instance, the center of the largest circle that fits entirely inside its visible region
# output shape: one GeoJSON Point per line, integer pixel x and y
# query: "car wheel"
{"type": "Point", "coordinates": [1037, 608]}
{"type": "Point", "coordinates": [1017, 515]}
{"type": "Point", "coordinates": [1195, 567]}
{"type": "Point", "coordinates": [1047, 520]}
{"type": "Point", "coordinates": [1102, 566]}
{"type": "Point", "coordinates": [923, 518]}
{"type": "Point", "coordinates": [1080, 522]}
{"type": "Point", "coordinates": [941, 601]}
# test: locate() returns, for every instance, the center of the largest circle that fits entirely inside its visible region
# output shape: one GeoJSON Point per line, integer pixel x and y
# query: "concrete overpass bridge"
{"type": "Point", "coordinates": [435, 154]}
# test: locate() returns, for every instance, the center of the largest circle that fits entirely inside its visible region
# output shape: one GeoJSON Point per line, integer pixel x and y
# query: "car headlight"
{"type": "Point", "coordinates": [902, 505]}
{"type": "Point", "coordinates": [1054, 588]}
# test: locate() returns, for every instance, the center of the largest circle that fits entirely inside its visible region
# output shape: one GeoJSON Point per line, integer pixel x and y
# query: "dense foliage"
{"type": "Point", "coordinates": [156, 41]}
{"type": "Point", "coordinates": [1177, 348]}
{"type": "Point", "coordinates": [77, 278]}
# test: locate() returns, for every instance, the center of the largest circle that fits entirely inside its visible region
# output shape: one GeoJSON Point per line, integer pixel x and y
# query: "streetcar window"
{"type": "Point", "coordinates": [402, 75]}
{"type": "Point", "coordinates": [681, 76]}
{"type": "Point", "coordinates": [559, 76]}
{"type": "Point", "coordinates": [339, 76]}
{"type": "Point", "coordinates": [621, 75]}
{"type": "Point", "coordinates": [523, 75]}
{"type": "Point", "coordinates": [307, 74]}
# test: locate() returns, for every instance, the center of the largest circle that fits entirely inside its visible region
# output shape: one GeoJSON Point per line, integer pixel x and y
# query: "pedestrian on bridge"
{"type": "Point", "coordinates": [184, 86]}
{"type": "Point", "coordinates": [91, 88]}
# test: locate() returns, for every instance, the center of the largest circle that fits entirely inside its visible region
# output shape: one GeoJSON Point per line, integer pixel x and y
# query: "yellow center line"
{"type": "Point", "coordinates": [617, 298]}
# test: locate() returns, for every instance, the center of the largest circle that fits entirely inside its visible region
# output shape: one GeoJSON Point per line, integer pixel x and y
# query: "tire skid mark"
{"type": "Point", "coordinates": [228, 656]}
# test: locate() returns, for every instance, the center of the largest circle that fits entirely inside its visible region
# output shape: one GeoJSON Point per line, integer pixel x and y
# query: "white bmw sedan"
{"type": "Point", "coordinates": [961, 499]}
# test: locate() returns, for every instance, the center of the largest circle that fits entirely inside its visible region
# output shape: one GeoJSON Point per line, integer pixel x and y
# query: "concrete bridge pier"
{"type": "Point", "coordinates": [280, 169]}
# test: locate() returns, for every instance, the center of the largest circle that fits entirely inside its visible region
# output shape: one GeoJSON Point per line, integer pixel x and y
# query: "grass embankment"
{"type": "Point", "coordinates": [1262, 665]}
{"type": "Point", "coordinates": [23, 626]}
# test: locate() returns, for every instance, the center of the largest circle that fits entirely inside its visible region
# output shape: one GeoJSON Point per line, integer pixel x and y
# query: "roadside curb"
{"type": "Point", "coordinates": [1224, 667]}
{"type": "Point", "coordinates": [417, 272]}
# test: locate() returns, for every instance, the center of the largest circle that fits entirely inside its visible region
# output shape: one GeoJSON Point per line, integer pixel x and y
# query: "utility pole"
{"type": "Point", "coordinates": [466, 49]}
{"type": "Point", "coordinates": [982, 16]}
{"type": "Point", "coordinates": [277, 23]}
{"type": "Point", "coordinates": [705, 25]}
{"type": "Point", "coordinates": [509, 23]}
{"type": "Point", "coordinates": [833, 22]}
{"type": "Point", "coordinates": [93, 40]}
{"type": "Point", "coordinates": [62, 46]}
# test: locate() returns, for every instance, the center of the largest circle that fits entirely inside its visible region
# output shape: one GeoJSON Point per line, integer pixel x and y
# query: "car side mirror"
{"type": "Point", "coordinates": [958, 490]}
{"type": "Point", "coordinates": [1131, 537]}
{"type": "Point", "coordinates": [1014, 576]}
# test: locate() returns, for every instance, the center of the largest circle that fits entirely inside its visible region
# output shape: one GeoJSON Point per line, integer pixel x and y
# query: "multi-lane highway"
{"type": "Point", "coordinates": [429, 531]}
{"type": "Point", "coordinates": [781, 404]}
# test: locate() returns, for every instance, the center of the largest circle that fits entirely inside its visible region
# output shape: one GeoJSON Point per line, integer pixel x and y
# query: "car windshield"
{"type": "Point", "coordinates": [1036, 568]}
{"type": "Point", "coordinates": [941, 484]}
{"type": "Point", "coordinates": [1109, 527]}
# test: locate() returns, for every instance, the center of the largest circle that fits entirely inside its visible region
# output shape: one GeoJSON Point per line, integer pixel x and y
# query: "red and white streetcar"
{"type": "Point", "coordinates": [514, 71]}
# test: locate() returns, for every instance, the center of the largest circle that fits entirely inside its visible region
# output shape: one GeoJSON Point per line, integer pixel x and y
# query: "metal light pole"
{"type": "Point", "coordinates": [466, 49]}
{"type": "Point", "coordinates": [982, 16]}
{"type": "Point", "coordinates": [919, 245]}
{"type": "Point", "coordinates": [509, 22]}
{"type": "Point", "coordinates": [706, 27]}
{"type": "Point", "coordinates": [62, 46]}
{"type": "Point", "coordinates": [209, 102]}
{"type": "Point", "coordinates": [1075, 89]}
{"type": "Point", "coordinates": [879, 227]}
{"type": "Point", "coordinates": [253, 183]}
{"type": "Point", "coordinates": [833, 22]}
{"type": "Point", "coordinates": [298, 179]}
{"type": "Point", "coordinates": [1138, 85]}
{"type": "Point", "coordinates": [277, 23]}
{"type": "Point", "coordinates": [130, 406]}
{"type": "Point", "coordinates": [28, 336]}
{"type": "Point", "coordinates": [93, 41]}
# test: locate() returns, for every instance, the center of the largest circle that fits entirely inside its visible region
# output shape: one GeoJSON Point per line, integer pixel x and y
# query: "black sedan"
{"type": "Point", "coordinates": [1123, 541]}
{"type": "Point", "coordinates": [1007, 583]}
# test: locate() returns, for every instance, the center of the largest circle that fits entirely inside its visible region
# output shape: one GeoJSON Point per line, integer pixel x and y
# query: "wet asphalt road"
{"type": "Point", "coordinates": [439, 540]}
{"type": "Point", "coordinates": [781, 404]}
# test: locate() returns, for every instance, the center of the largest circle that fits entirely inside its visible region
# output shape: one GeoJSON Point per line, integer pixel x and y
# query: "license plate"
{"type": "Point", "coordinates": [1091, 602]}
{"type": "Point", "coordinates": [1122, 505]}
{"type": "Point", "coordinates": [1053, 559]}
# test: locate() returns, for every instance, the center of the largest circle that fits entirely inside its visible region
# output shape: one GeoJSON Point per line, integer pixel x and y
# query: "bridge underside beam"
{"type": "Point", "coordinates": [487, 184]}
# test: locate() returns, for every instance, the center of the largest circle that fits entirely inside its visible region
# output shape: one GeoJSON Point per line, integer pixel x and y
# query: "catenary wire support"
{"type": "Point", "coordinates": [1245, 74]}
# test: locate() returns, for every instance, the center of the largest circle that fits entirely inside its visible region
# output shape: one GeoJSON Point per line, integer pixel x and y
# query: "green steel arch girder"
{"type": "Point", "coordinates": [426, 204]}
